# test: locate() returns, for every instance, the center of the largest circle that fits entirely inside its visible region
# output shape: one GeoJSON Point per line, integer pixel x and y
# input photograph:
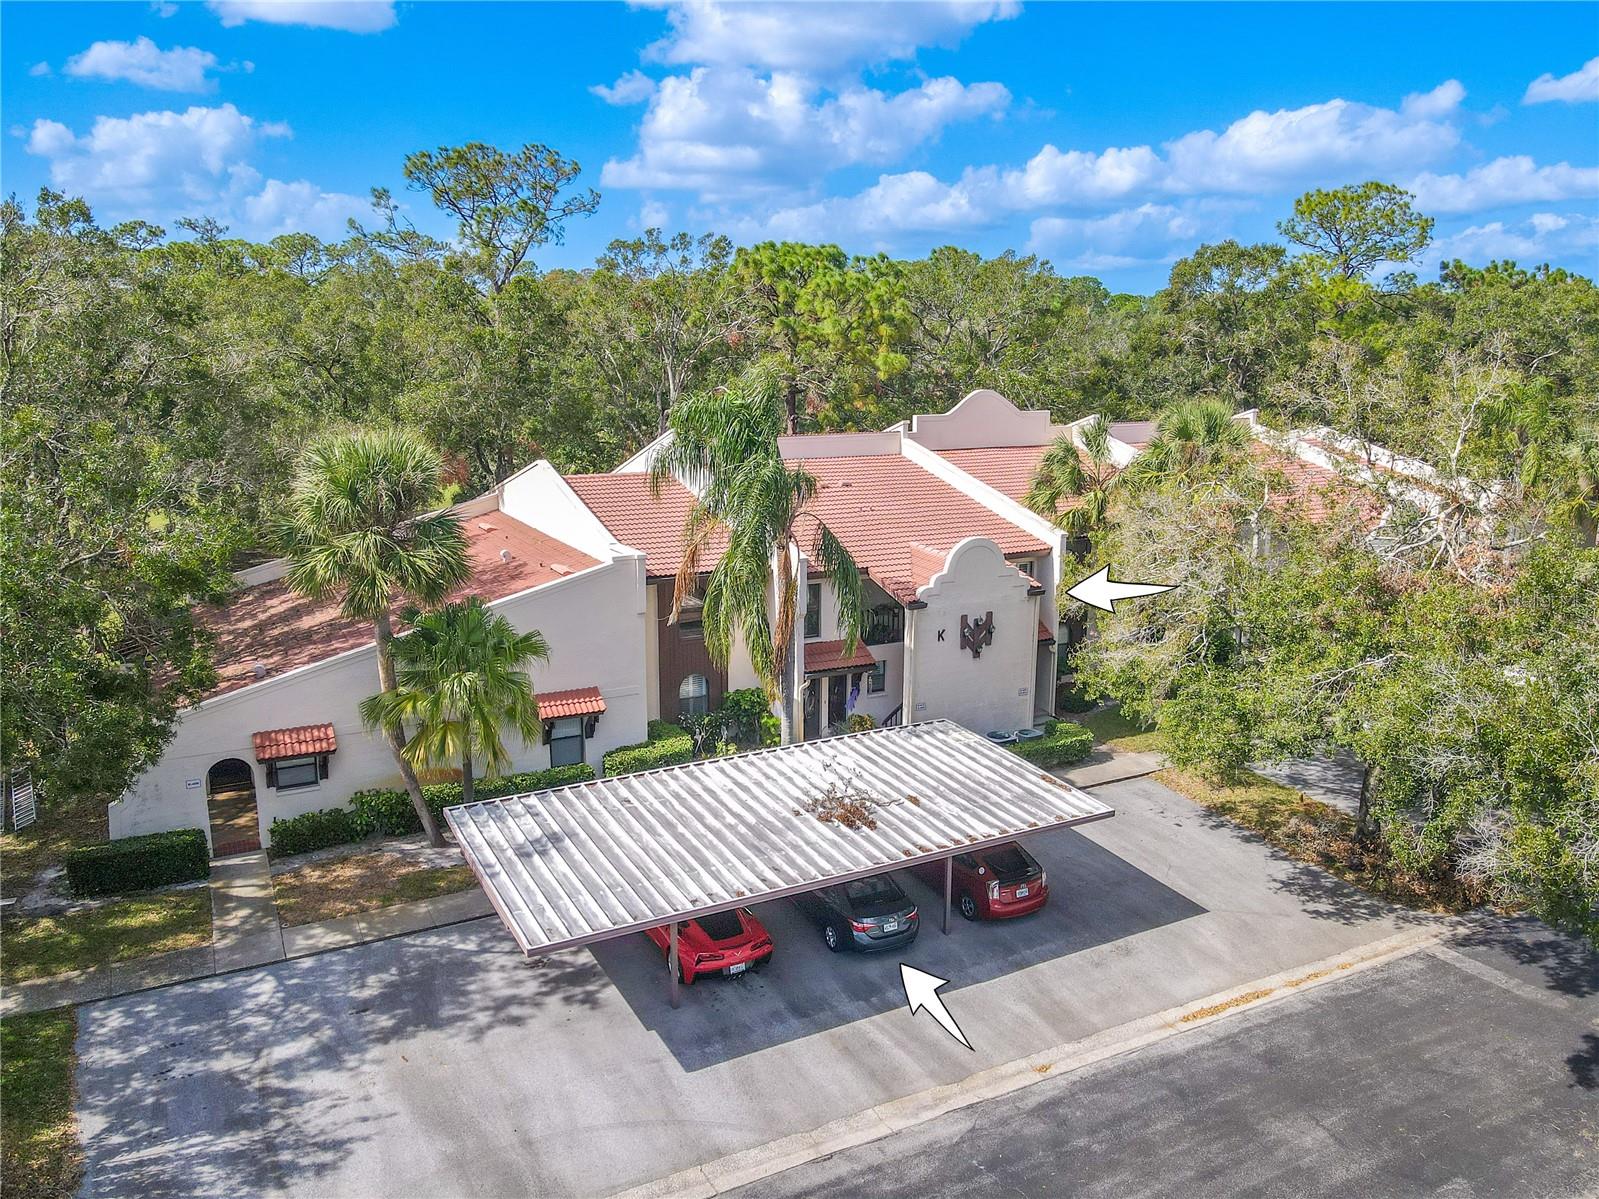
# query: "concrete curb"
{"type": "Point", "coordinates": [728, 1173]}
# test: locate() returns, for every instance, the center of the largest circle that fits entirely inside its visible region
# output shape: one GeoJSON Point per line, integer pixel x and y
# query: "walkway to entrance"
{"type": "Point", "coordinates": [230, 799]}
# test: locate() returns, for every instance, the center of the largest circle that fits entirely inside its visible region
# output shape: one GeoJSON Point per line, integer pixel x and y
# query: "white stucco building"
{"type": "Point", "coordinates": [961, 580]}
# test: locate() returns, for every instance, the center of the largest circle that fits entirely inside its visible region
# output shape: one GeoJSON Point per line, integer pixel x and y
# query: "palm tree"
{"type": "Point", "coordinates": [726, 442]}
{"type": "Point", "coordinates": [1073, 485]}
{"type": "Point", "coordinates": [360, 527]}
{"type": "Point", "coordinates": [1190, 437]}
{"type": "Point", "coordinates": [461, 677]}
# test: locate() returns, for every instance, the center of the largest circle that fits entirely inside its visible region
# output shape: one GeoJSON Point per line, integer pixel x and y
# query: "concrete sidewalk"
{"type": "Point", "coordinates": [1107, 765]}
{"type": "Point", "coordinates": [245, 934]}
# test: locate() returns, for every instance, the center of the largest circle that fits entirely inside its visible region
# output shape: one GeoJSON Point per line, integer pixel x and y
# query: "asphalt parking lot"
{"type": "Point", "coordinates": [445, 1064]}
{"type": "Point", "coordinates": [1467, 1070]}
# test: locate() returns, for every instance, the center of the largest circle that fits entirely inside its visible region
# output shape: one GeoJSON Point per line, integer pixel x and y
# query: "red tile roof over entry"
{"type": "Point", "coordinates": [273, 626]}
{"type": "Point", "coordinates": [296, 742]}
{"type": "Point", "coordinates": [579, 701]}
{"type": "Point", "coordinates": [882, 505]}
{"type": "Point", "coordinates": [830, 655]}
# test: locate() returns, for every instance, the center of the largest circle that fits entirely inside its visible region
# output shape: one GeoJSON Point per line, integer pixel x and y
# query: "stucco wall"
{"type": "Point", "coordinates": [593, 621]}
{"type": "Point", "coordinates": [995, 690]}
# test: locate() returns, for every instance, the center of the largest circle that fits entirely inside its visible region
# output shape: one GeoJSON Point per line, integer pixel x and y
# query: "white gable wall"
{"type": "Point", "coordinates": [593, 621]}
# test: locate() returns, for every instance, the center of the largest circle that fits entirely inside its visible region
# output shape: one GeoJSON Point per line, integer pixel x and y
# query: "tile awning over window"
{"type": "Point", "coordinates": [829, 655]}
{"type": "Point", "coordinates": [296, 742]}
{"type": "Point", "coordinates": [1043, 632]}
{"type": "Point", "coordinates": [580, 701]}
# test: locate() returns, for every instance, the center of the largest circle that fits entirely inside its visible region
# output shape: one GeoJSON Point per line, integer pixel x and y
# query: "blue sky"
{"type": "Point", "coordinates": [1110, 139]}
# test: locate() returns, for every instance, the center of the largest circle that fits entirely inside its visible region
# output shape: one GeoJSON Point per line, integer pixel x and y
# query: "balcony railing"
{"type": "Point", "coordinates": [885, 624]}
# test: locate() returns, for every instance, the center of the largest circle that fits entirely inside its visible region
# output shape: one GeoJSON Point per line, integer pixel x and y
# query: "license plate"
{"type": "Point", "coordinates": [1021, 892]}
{"type": "Point", "coordinates": [738, 968]}
{"type": "Point", "coordinates": [891, 926]}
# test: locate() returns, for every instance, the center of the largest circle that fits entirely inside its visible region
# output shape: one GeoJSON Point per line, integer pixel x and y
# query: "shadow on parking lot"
{"type": "Point", "coordinates": [222, 1085]}
{"type": "Point", "coordinates": [1095, 898]}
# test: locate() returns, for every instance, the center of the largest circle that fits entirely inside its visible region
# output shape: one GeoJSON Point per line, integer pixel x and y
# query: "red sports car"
{"type": "Point", "coordinates": [991, 884]}
{"type": "Point", "coordinates": [722, 943]}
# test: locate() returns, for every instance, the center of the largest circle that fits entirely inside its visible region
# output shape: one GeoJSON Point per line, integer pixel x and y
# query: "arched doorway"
{"type": "Point", "coordinates": [230, 800]}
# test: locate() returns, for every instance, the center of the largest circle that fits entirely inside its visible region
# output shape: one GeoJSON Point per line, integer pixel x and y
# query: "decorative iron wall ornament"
{"type": "Point", "coordinates": [975, 634]}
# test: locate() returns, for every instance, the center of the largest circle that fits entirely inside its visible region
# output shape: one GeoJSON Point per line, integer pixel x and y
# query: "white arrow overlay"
{"type": "Point", "coordinates": [921, 989]}
{"type": "Point", "coordinates": [1101, 591]}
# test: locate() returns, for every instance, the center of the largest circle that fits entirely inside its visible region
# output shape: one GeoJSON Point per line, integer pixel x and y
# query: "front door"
{"type": "Point", "coordinates": [837, 699]}
{"type": "Point", "coordinates": [813, 709]}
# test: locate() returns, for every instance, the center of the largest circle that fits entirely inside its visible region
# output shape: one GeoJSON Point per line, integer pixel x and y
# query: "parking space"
{"type": "Point", "coordinates": [446, 1063]}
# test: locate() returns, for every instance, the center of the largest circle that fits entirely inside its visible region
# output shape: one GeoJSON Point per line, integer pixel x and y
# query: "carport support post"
{"type": "Point", "coordinates": [949, 885]}
{"type": "Point", "coordinates": [671, 962]}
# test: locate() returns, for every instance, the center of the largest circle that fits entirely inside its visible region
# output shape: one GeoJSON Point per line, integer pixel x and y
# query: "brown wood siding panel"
{"type": "Point", "coordinates": [682, 656]}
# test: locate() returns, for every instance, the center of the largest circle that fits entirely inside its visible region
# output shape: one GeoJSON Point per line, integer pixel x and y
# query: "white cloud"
{"type": "Point", "coordinates": [818, 39]}
{"type": "Point", "coordinates": [1440, 102]}
{"type": "Point", "coordinates": [631, 88]}
{"type": "Point", "coordinates": [163, 165]}
{"type": "Point", "coordinates": [1511, 180]}
{"type": "Point", "coordinates": [142, 159]}
{"type": "Point", "coordinates": [731, 131]}
{"type": "Point", "coordinates": [353, 16]}
{"type": "Point", "coordinates": [1075, 177]}
{"type": "Point", "coordinates": [39, 69]}
{"type": "Point", "coordinates": [1334, 139]}
{"type": "Point", "coordinates": [1543, 237]}
{"type": "Point", "coordinates": [1149, 233]}
{"type": "Point", "coordinates": [1582, 84]}
{"type": "Point", "coordinates": [298, 207]}
{"type": "Point", "coordinates": [180, 69]}
{"type": "Point", "coordinates": [163, 8]}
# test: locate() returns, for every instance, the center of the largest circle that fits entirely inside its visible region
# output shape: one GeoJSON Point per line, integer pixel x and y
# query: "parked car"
{"type": "Point", "coordinates": [723, 943]}
{"type": "Point", "coordinates": [867, 915]}
{"type": "Point", "coordinates": [991, 884]}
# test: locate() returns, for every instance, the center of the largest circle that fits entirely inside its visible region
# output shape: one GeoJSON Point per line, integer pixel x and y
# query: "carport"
{"type": "Point", "coordinates": [580, 864]}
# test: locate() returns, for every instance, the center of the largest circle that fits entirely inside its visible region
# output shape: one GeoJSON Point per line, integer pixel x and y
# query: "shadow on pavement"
{"type": "Point", "coordinates": [219, 1085]}
{"type": "Point", "coordinates": [1095, 898]}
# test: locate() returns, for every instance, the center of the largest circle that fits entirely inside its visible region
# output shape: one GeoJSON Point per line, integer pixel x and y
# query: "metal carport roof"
{"type": "Point", "coordinates": [582, 863]}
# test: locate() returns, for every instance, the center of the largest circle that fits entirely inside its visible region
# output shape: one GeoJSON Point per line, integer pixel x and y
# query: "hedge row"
{"type": "Point", "coordinates": [139, 863]}
{"type": "Point", "coordinates": [1062, 743]}
{"type": "Point", "coordinates": [669, 745]}
{"type": "Point", "coordinates": [387, 812]}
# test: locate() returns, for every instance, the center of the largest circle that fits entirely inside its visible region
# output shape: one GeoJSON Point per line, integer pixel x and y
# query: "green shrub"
{"type": "Point", "coordinates": [1067, 743]}
{"type": "Point", "coordinates": [1071, 698]}
{"type": "Point", "coordinates": [859, 722]}
{"type": "Point", "coordinates": [139, 863]}
{"type": "Point", "coordinates": [668, 745]}
{"type": "Point", "coordinates": [771, 731]}
{"type": "Point", "coordinates": [387, 811]}
{"type": "Point", "coordinates": [314, 830]}
{"type": "Point", "coordinates": [744, 714]}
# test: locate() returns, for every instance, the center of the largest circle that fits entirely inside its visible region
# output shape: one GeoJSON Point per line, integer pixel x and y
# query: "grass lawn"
{"type": "Point", "coordinates": [1112, 729]}
{"type": "Point", "coordinates": [361, 882]}
{"type": "Point", "coordinates": [44, 843]}
{"type": "Point", "coordinates": [1311, 831]}
{"type": "Point", "coordinates": [38, 946]}
{"type": "Point", "coordinates": [39, 1153]}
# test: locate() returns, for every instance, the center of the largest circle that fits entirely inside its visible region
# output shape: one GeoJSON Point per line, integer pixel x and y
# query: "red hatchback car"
{"type": "Point", "coordinates": [722, 943]}
{"type": "Point", "coordinates": [992, 884]}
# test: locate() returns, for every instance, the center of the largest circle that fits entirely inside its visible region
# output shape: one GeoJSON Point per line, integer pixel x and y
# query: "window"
{"type": "Point", "coordinates": [566, 741]}
{"type": "Point", "coordinates": [877, 678]}
{"type": "Point", "coordinates": [290, 774]}
{"type": "Point", "coordinates": [690, 621]}
{"type": "Point", "coordinates": [813, 610]}
{"type": "Point", "coordinates": [693, 696]}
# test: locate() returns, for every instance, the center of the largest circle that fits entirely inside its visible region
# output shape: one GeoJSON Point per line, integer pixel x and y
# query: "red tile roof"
{"type": "Point", "coordinates": [881, 505]}
{"type": "Point", "coordinates": [1043, 632]}
{"type": "Point", "coordinates": [830, 655]}
{"type": "Point", "coordinates": [272, 625]}
{"type": "Point", "coordinates": [626, 506]}
{"type": "Point", "coordinates": [1007, 469]}
{"type": "Point", "coordinates": [580, 701]}
{"type": "Point", "coordinates": [297, 742]}
{"type": "Point", "coordinates": [1314, 492]}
